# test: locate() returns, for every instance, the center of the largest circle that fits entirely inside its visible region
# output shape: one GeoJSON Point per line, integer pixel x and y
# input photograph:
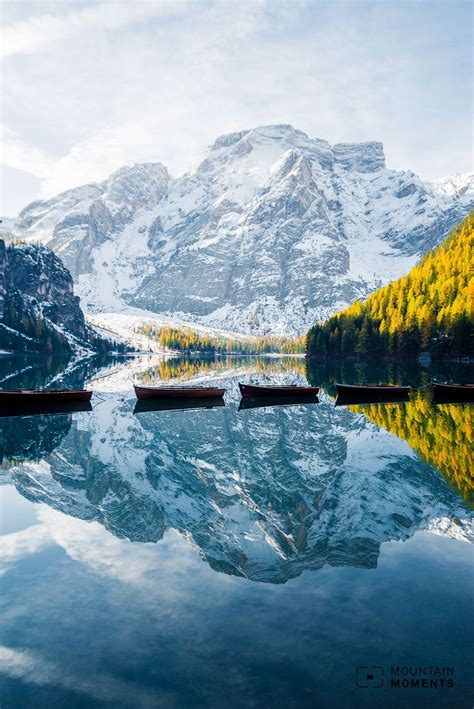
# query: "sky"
{"type": "Point", "coordinates": [87, 87]}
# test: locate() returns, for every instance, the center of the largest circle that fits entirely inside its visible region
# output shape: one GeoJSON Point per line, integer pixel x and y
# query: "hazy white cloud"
{"type": "Point", "coordinates": [89, 543]}
{"type": "Point", "coordinates": [33, 35]}
{"type": "Point", "coordinates": [94, 159]}
{"type": "Point", "coordinates": [34, 669]}
{"type": "Point", "coordinates": [15, 153]}
{"type": "Point", "coordinates": [121, 562]}
{"type": "Point", "coordinates": [17, 545]}
{"type": "Point", "coordinates": [141, 565]}
{"type": "Point", "coordinates": [90, 87]}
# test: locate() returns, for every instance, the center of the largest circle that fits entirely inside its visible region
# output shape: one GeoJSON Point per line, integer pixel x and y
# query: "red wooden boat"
{"type": "Point", "coordinates": [176, 392]}
{"type": "Point", "coordinates": [252, 390]}
{"type": "Point", "coordinates": [42, 396]}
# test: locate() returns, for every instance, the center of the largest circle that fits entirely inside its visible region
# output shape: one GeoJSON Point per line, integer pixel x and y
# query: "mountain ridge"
{"type": "Point", "coordinates": [268, 233]}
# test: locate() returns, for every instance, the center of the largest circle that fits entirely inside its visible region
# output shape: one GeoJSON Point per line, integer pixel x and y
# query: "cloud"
{"type": "Point", "coordinates": [33, 669]}
{"type": "Point", "coordinates": [17, 154]}
{"type": "Point", "coordinates": [95, 158]}
{"type": "Point", "coordinates": [101, 85]}
{"type": "Point", "coordinates": [34, 35]}
{"type": "Point", "coordinates": [89, 543]}
{"type": "Point", "coordinates": [17, 545]}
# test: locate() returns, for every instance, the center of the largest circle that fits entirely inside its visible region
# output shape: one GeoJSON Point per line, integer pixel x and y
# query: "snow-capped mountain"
{"type": "Point", "coordinates": [261, 493]}
{"type": "Point", "coordinates": [271, 231]}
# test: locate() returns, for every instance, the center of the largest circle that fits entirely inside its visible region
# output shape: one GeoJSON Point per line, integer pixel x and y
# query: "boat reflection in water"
{"type": "Point", "coordinates": [453, 393]}
{"type": "Point", "coordinates": [264, 402]}
{"type": "Point", "coordinates": [148, 405]}
{"type": "Point", "coordinates": [371, 393]}
{"type": "Point", "coordinates": [21, 408]}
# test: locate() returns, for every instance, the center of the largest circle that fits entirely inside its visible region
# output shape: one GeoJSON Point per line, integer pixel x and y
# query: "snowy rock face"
{"type": "Point", "coordinates": [272, 231]}
{"type": "Point", "coordinates": [38, 309]}
{"type": "Point", "coordinates": [80, 220]}
{"type": "Point", "coordinates": [261, 493]}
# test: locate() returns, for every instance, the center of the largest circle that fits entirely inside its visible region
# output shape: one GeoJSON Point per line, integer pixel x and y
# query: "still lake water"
{"type": "Point", "coordinates": [238, 558]}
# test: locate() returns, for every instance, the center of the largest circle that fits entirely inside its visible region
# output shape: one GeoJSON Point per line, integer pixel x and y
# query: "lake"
{"type": "Point", "coordinates": [283, 556]}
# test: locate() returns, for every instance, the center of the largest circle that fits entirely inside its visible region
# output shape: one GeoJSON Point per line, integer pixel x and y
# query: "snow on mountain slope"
{"type": "Point", "coordinates": [460, 185]}
{"type": "Point", "coordinates": [270, 232]}
{"type": "Point", "coordinates": [125, 325]}
{"type": "Point", "coordinates": [77, 223]}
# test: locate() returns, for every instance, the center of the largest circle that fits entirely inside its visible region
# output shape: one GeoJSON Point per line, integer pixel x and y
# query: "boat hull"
{"type": "Point", "coordinates": [253, 391]}
{"type": "Point", "coordinates": [453, 393]}
{"type": "Point", "coordinates": [35, 397]}
{"type": "Point", "coordinates": [358, 394]}
{"type": "Point", "coordinates": [148, 393]}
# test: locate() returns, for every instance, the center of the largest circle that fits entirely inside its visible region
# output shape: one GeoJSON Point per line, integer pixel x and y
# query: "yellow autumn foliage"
{"type": "Point", "coordinates": [442, 435]}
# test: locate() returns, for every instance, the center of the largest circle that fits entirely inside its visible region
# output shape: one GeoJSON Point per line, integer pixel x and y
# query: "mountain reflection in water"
{"type": "Point", "coordinates": [263, 493]}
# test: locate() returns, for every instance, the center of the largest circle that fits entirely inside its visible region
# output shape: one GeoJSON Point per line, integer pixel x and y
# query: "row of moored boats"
{"type": "Point", "coordinates": [168, 397]}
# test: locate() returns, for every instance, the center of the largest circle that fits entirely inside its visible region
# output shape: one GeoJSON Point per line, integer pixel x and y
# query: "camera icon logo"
{"type": "Point", "coordinates": [369, 677]}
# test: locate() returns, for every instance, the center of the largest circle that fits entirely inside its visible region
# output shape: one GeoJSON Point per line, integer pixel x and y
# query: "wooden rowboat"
{"type": "Point", "coordinates": [149, 405]}
{"type": "Point", "coordinates": [176, 392]}
{"type": "Point", "coordinates": [452, 393]}
{"type": "Point", "coordinates": [42, 396]}
{"type": "Point", "coordinates": [261, 402]}
{"type": "Point", "coordinates": [252, 390]}
{"type": "Point", "coordinates": [371, 393]}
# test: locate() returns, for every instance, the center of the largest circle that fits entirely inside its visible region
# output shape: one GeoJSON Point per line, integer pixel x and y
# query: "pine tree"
{"type": "Point", "coordinates": [429, 310]}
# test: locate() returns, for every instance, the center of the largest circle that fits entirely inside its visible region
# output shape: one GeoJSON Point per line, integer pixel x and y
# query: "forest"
{"type": "Point", "coordinates": [442, 435]}
{"type": "Point", "coordinates": [430, 310]}
{"type": "Point", "coordinates": [187, 340]}
{"type": "Point", "coordinates": [186, 368]}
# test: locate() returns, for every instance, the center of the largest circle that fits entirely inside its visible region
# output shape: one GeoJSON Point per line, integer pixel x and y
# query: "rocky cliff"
{"type": "Point", "coordinates": [38, 308]}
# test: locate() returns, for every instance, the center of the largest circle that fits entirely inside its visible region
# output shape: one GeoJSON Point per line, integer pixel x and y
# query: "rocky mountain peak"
{"type": "Point", "coordinates": [134, 175]}
{"type": "Point", "coordinates": [226, 140]}
{"type": "Point", "coordinates": [138, 187]}
{"type": "Point", "coordinates": [360, 157]}
{"type": "Point", "coordinates": [284, 133]}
